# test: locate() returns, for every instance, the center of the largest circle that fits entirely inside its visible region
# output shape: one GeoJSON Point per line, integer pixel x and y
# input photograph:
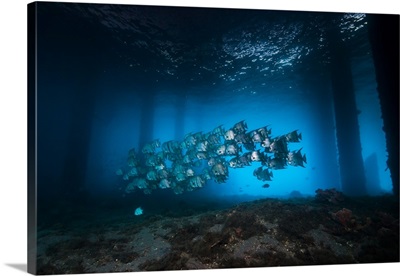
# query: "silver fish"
{"type": "Point", "coordinates": [186, 159]}
{"type": "Point", "coordinates": [140, 183]}
{"type": "Point", "coordinates": [266, 143]}
{"type": "Point", "coordinates": [162, 173]}
{"type": "Point", "coordinates": [279, 145]}
{"type": "Point", "coordinates": [264, 131]}
{"type": "Point", "coordinates": [245, 160]}
{"type": "Point", "coordinates": [221, 150]}
{"type": "Point", "coordinates": [293, 136]}
{"type": "Point", "coordinates": [178, 190]}
{"type": "Point", "coordinates": [164, 183]}
{"type": "Point", "coordinates": [191, 153]}
{"type": "Point", "coordinates": [255, 136]}
{"type": "Point", "coordinates": [219, 130]}
{"type": "Point", "coordinates": [233, 163]}
{"type": "Point", "coordinates": [256, 156]}
{"type": "Point", "coordinates": [276, 163]}
{"type": "Point", "coordinates": [229, 135]}
{"type": "Point", "coordinates": [240, 127]}
{"type": "Point", "coordinates": [151, 147]}
{"type": "Point", "coordinates": [211, 162]}
{"type": "Point", "coordinates": [213, 139]}
{"type": "Point", "coordinates": [219, 169]}
{"type": "Point", "coordinates": [201, 155]}
{"type": "Point", "coordinates": [178, 168]}
{"type": "Point", "coordinates": [132, 161]}
{"type": "Point", "coordinates": [151, 175]}
{"type": "Point", "coordinates": [159, 166]}
{"type": "Point", "coordinates": [206, 174]}
{"type": "Point", "coordinates": [183, 145]}
{"type": "Point", "coordinates": [133, 171]}
{"type": "Point", "coordinates": [147, 191]}
{"type": "Point", "coordinates": [189, 140]}
{"type": "Point", "coordinates": [170, 147]}
{"type": "Point", "coordinates": [189, 172]}
{"type": "Point", "coordinates": [263, 174]}
{"type": "Point", "coordinates": [156, 143]}
{"type": "Point", "coordinates": [151, 160]}
{"type": "Point", "coordinates": [266, 185]}
{"type": "Point", "coordinates": [296, 159]}
{"type": "Point", "coordinates": [202, 146]}
{"type": "Point", "coordinates": [232, 149]}
{"type": "Point", "coordinates": [196, 181]}
{"type": "Point", "coordinates": [180, 177]}
{"type": "Point", "coordinates": [242, 138]}
{"type": "Point", "coordinates": [130, 187]}
{"type": "Point", "coordinates": [199, 135]}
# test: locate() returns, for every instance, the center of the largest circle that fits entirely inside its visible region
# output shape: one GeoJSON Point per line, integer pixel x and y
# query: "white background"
{"type": "Point", "coordinates": [13, 130]}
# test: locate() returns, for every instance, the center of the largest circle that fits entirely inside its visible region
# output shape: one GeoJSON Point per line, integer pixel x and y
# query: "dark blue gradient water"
{"type": "Point", "coordinates": [113, 77]}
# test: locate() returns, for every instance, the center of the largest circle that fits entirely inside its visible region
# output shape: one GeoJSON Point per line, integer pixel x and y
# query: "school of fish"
{"type": "Point", "coordinates": [187, 165]}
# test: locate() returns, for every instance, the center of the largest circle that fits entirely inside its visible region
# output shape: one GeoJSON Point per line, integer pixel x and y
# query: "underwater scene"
{"type": "Point", "coordinates": [172, 138]}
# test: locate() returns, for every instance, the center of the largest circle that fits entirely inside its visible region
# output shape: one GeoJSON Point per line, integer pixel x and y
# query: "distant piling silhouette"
{"type": "Point", "coordinates": [346, 116]}
{"type": "Point", "coordinates": [384, 38]}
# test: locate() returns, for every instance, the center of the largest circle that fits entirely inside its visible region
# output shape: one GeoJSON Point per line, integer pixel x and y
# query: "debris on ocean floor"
{"type": "Point", "coordinates": [262, 233]}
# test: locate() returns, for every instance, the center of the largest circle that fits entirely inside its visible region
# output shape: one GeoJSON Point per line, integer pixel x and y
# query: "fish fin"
{"type": "Point", "coordinates": [300, 137]}
{"type": "Point", "coordinates": [304, 158]}
{"type": "Point", "coordinates": [271, 174]}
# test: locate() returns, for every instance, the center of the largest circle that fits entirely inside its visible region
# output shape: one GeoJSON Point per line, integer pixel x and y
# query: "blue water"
{"type": "Point", "coordinates": [110, 77]}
